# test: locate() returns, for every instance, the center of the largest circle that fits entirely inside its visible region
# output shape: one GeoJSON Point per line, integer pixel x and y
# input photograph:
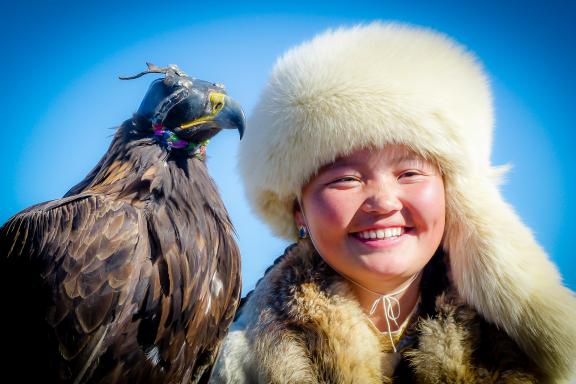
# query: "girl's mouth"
{"type": "Point", "coordinates": [382, 235]}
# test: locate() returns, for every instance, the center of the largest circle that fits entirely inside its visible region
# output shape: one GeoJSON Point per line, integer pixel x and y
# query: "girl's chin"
{"type": "Point", "coordinates": [388, 267]}
{"type": "Point", "coordinates": [383, 282]}
{"type": "Point", "coordinates": [388, 273]}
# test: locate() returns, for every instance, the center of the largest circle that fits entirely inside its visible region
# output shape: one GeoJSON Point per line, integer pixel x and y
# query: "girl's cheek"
{"type": "Point", "coordinates": [431, 191]}
{"type": "Point", "coordinates": [334, 206]}
{"type": "Point", "coordinates": [428, 200]}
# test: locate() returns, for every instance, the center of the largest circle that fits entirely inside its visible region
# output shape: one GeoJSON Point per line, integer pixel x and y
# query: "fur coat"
{"type": "Point", "coordinates": [302, 325]}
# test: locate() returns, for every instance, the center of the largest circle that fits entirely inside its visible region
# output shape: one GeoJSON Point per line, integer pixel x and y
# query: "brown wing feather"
{"type": "Point", "coordinates": [68, 268]}
{"type": "Point", "coordinates": [109, 289]}
{"type": "Point", "coordinates": [190, 296]}
{"type": "Point", "coordinates": [197, 279]}
{"type": "Point", "coordinates": [225, 288]}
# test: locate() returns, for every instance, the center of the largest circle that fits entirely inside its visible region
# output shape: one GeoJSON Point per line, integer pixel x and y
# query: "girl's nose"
{"type": "Point", "coordinates": [382, 200]}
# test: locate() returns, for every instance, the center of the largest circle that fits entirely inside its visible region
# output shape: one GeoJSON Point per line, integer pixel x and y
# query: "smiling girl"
{"type": "Point", "coordinates": [370, 146]}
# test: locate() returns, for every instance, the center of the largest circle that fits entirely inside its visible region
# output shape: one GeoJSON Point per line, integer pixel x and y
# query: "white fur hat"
{"type": "Point", "coordinates": [388, 83]}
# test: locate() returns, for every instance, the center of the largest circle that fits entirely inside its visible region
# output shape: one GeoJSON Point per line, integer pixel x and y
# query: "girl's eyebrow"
{"type": "Point", "coordinates": [336, 166]}
{"type": "Point", "coordinates": [403, 157]}
{"type": "Point", "coordinates": [407, 158]}
{"type": "Point", "coordinates": [398, 157]}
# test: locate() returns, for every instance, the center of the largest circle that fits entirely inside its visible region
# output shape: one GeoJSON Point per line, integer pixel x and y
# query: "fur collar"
{"type": "Point", "coordinates": [301, 324]}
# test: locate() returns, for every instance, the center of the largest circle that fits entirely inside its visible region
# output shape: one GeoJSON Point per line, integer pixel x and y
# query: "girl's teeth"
{"type": "Point", "coordinates": [381, 233]}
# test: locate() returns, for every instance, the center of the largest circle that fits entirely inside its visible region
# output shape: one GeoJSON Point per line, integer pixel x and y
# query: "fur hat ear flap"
{"type": "Point", "coordinates": [499, 269]}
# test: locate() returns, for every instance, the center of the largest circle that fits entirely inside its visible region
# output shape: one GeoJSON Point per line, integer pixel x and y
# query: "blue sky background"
{"type": "Point", "coordinates": [60, 94]}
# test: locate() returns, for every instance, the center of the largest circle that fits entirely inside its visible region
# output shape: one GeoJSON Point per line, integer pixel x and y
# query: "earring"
{"type": "Point", "coordinates": [302, 232]}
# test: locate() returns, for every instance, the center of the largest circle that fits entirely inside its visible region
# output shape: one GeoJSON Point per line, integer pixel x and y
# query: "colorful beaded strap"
{"type": "Point", "coordinates": [170, 140]}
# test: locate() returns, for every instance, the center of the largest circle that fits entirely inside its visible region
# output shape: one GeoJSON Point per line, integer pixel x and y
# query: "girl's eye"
{"type": "Point", "coordinates": [344, 180]}
{"type": "Point", "coordinates": [410, 174]}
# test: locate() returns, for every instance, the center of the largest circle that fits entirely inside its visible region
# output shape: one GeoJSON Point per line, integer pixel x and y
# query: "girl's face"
{"type": "Point", "coordinates": [376, 216]}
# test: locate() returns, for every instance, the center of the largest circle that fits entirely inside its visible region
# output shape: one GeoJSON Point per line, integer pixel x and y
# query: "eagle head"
{"type": "Point", "coordinates": [191, 110]}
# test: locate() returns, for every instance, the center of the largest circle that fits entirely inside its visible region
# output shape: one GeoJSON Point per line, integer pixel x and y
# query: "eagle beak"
{"type": "Point", "coordinates": [224, 113]}
{"type": "Point", "coordinates": [231, 116]}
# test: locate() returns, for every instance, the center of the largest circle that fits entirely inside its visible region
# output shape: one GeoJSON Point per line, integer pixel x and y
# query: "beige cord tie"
{"type": "Point", "coordinates": [391, 307]}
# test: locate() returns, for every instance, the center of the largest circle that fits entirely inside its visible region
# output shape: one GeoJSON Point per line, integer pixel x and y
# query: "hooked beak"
{"type": "Point", "coordinates": [225, 113]}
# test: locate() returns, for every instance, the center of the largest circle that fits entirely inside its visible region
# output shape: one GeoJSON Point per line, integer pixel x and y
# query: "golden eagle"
{"type": "Point", "coordinates": [134, 275]}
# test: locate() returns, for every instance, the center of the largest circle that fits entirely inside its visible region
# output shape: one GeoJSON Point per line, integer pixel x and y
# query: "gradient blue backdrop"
{"type": "Point", "coordinates": [60, 93]}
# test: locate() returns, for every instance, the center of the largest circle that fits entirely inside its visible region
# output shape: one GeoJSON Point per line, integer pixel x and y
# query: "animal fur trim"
{"type": "Point", "coordinates": [303, 325]}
